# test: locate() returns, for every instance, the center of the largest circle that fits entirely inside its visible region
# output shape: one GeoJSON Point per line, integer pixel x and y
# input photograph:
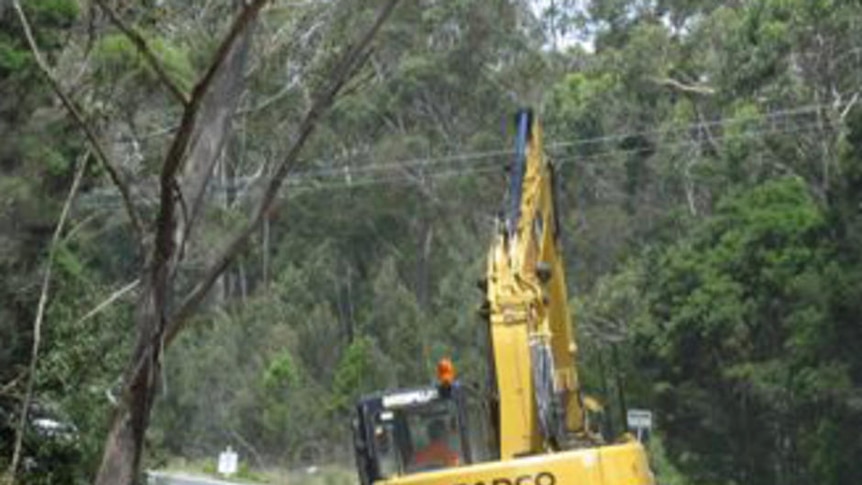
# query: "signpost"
{"type": "Point", "coordinates": [227, 462]}
{"type": "Point", "coordinates": [640, 420]}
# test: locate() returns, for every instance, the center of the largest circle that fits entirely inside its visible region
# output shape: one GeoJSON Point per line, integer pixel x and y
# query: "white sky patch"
{"type": "Point", "coordinates": [561, 40]}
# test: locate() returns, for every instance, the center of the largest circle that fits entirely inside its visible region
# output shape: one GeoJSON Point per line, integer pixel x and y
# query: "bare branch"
{"type": "Point", "coordinates": [688, 88]}
{"type": "Point", "coordinates": [5, 388]}
{"type": "Point", "coordinates": [349, 62]}
{"type": "Point", "coordinates": [284, 91]}
{"type": "Point", "coordinates": [108, 301]}
{"type": "Point", "coordinates": [40, 312]}
{"type": "Point", "coordinates": [144, 48]}
{"type": "Point", "coordinates": [705, 127]}
{"type": "Point", "coordinates": [849, 106]}
{"type": "Point", "coordinates": [82, 124]}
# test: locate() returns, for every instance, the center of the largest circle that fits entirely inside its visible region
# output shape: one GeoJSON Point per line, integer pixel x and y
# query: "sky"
{"type": "Point", "coordinates": [562, 41]}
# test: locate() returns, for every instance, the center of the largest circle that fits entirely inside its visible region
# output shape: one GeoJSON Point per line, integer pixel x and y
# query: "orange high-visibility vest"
{"type": "Point", "coordinates": [436, 453]}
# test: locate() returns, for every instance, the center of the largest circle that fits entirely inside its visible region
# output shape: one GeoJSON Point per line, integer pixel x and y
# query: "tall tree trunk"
{"type": "Point", "coordinates": [192, 156]}
{"type": "Point", "coordinates": [122, 455]}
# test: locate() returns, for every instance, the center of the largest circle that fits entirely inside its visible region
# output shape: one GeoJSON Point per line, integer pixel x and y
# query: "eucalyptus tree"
{"type": "Point", "coordinates": [206, 102]}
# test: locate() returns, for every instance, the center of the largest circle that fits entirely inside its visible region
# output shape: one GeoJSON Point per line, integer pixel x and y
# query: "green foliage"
{"type": "Point", "coordinates": [116, 56]}
{"type": "Point", "coordinates": [665, 471]}
{"type": "Point", "coordinates": [12, 58]}
{"type": "Point", "coordinates": [742, 338]}
{"type": "Point", "coordinates": [356, 373]}
{"type": "Point", "coordinates": [281, 373]}
{"type": "Point", "coordinates": [714, 264]}
{"type": "Point", "coordinates": [50, 19]}
{"type": "Point", "coordinates": [395, 311]}
{"type": "Point", "coordinates": [59, 13]}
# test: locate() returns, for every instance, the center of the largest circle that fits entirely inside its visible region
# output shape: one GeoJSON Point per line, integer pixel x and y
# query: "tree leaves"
{"type": "Point", "coordinates": [739, 314]}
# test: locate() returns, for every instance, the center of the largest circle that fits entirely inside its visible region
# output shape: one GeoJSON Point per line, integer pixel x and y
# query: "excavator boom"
{"type": "Point", "coordinates": [530, 324]}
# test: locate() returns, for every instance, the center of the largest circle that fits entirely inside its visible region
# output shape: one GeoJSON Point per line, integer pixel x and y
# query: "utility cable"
{"type": "Point", "coordinates": [304, 180]}
{"type": "Point", "coordinates": [466, 156]}
{"type": "Point", "coordinates": [302, 185]}
{"type": "Point", "coordinates": [356, 170]}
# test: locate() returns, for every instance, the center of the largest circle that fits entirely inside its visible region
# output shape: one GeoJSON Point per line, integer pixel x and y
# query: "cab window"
{"type": "Point", "coordinates": [386, 448]}
{"type": "Point", "coordinates": [436, 441]}
{"type": "Point", "coordinates": [418, 438]}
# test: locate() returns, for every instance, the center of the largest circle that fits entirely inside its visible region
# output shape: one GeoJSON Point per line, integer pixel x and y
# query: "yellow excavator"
{"type": "Point", "coordinates": [531, 428]}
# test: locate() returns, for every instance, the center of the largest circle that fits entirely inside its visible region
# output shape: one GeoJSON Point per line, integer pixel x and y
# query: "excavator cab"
{"type": "Point", "coordinates": [409, 431]}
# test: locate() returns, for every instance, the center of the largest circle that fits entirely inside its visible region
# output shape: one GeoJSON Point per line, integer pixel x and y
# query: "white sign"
{"type": "Point", "coordinates": [409, 398]}
{"type": "Point", "coordinates": [639, 419]}
{"type": "Point", "coordinates": [227, 461]}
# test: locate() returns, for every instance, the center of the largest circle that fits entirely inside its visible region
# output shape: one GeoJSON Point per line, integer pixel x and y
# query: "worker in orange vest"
{"type": "Point", "coordinates": [437, 453]}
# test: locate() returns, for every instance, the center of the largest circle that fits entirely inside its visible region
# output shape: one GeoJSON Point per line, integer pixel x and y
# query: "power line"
{"type": "Point", "coordinates": [455, 157]}
{"type": "Point", "coordinates": [301, 187]}
{"type": "Point", "coordinates": [478, 155]}
{"type": "Point", "coordinates": [494, 168]}
{"type": "Point", "coordinates": [681, 143]}
{"type": "Point", "coordinates": [477, 159]}
{"type": "Point", "coordinates": [445, 174]}
{"type": "Point", "coordinates": [777, 114]}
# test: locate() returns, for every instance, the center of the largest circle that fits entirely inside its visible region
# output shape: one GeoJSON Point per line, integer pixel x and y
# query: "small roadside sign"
{"type": "Point", "coordinates": [227, 462]}
{"type": "Point", "coordinates": [640, 420]}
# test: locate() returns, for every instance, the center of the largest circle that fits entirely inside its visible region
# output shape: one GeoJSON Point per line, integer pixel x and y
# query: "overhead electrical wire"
{"type": "Point", "coordinates": [776, 114]}
{"type": "Point", "coordinates": [304, 186]}
{"type": "Point", "coordinates": [349, 176]}
{"type": "Point", "coordinates": [478, 155]}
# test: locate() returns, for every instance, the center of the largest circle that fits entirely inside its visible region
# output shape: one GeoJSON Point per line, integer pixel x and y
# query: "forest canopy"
{"type": "Point", "coordinates": [710, 164]}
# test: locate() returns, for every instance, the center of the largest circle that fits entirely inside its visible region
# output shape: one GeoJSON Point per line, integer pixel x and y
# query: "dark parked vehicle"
{"type": "Point", "coordinates": [50, 452]}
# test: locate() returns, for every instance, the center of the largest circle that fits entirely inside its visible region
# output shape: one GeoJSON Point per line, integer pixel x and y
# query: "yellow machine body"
{"type": "Point", "coordinates": [621, 464]}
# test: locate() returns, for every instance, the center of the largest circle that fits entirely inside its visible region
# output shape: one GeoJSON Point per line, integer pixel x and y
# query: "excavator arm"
{"type": "Point", "coordinates": [530, 324]}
